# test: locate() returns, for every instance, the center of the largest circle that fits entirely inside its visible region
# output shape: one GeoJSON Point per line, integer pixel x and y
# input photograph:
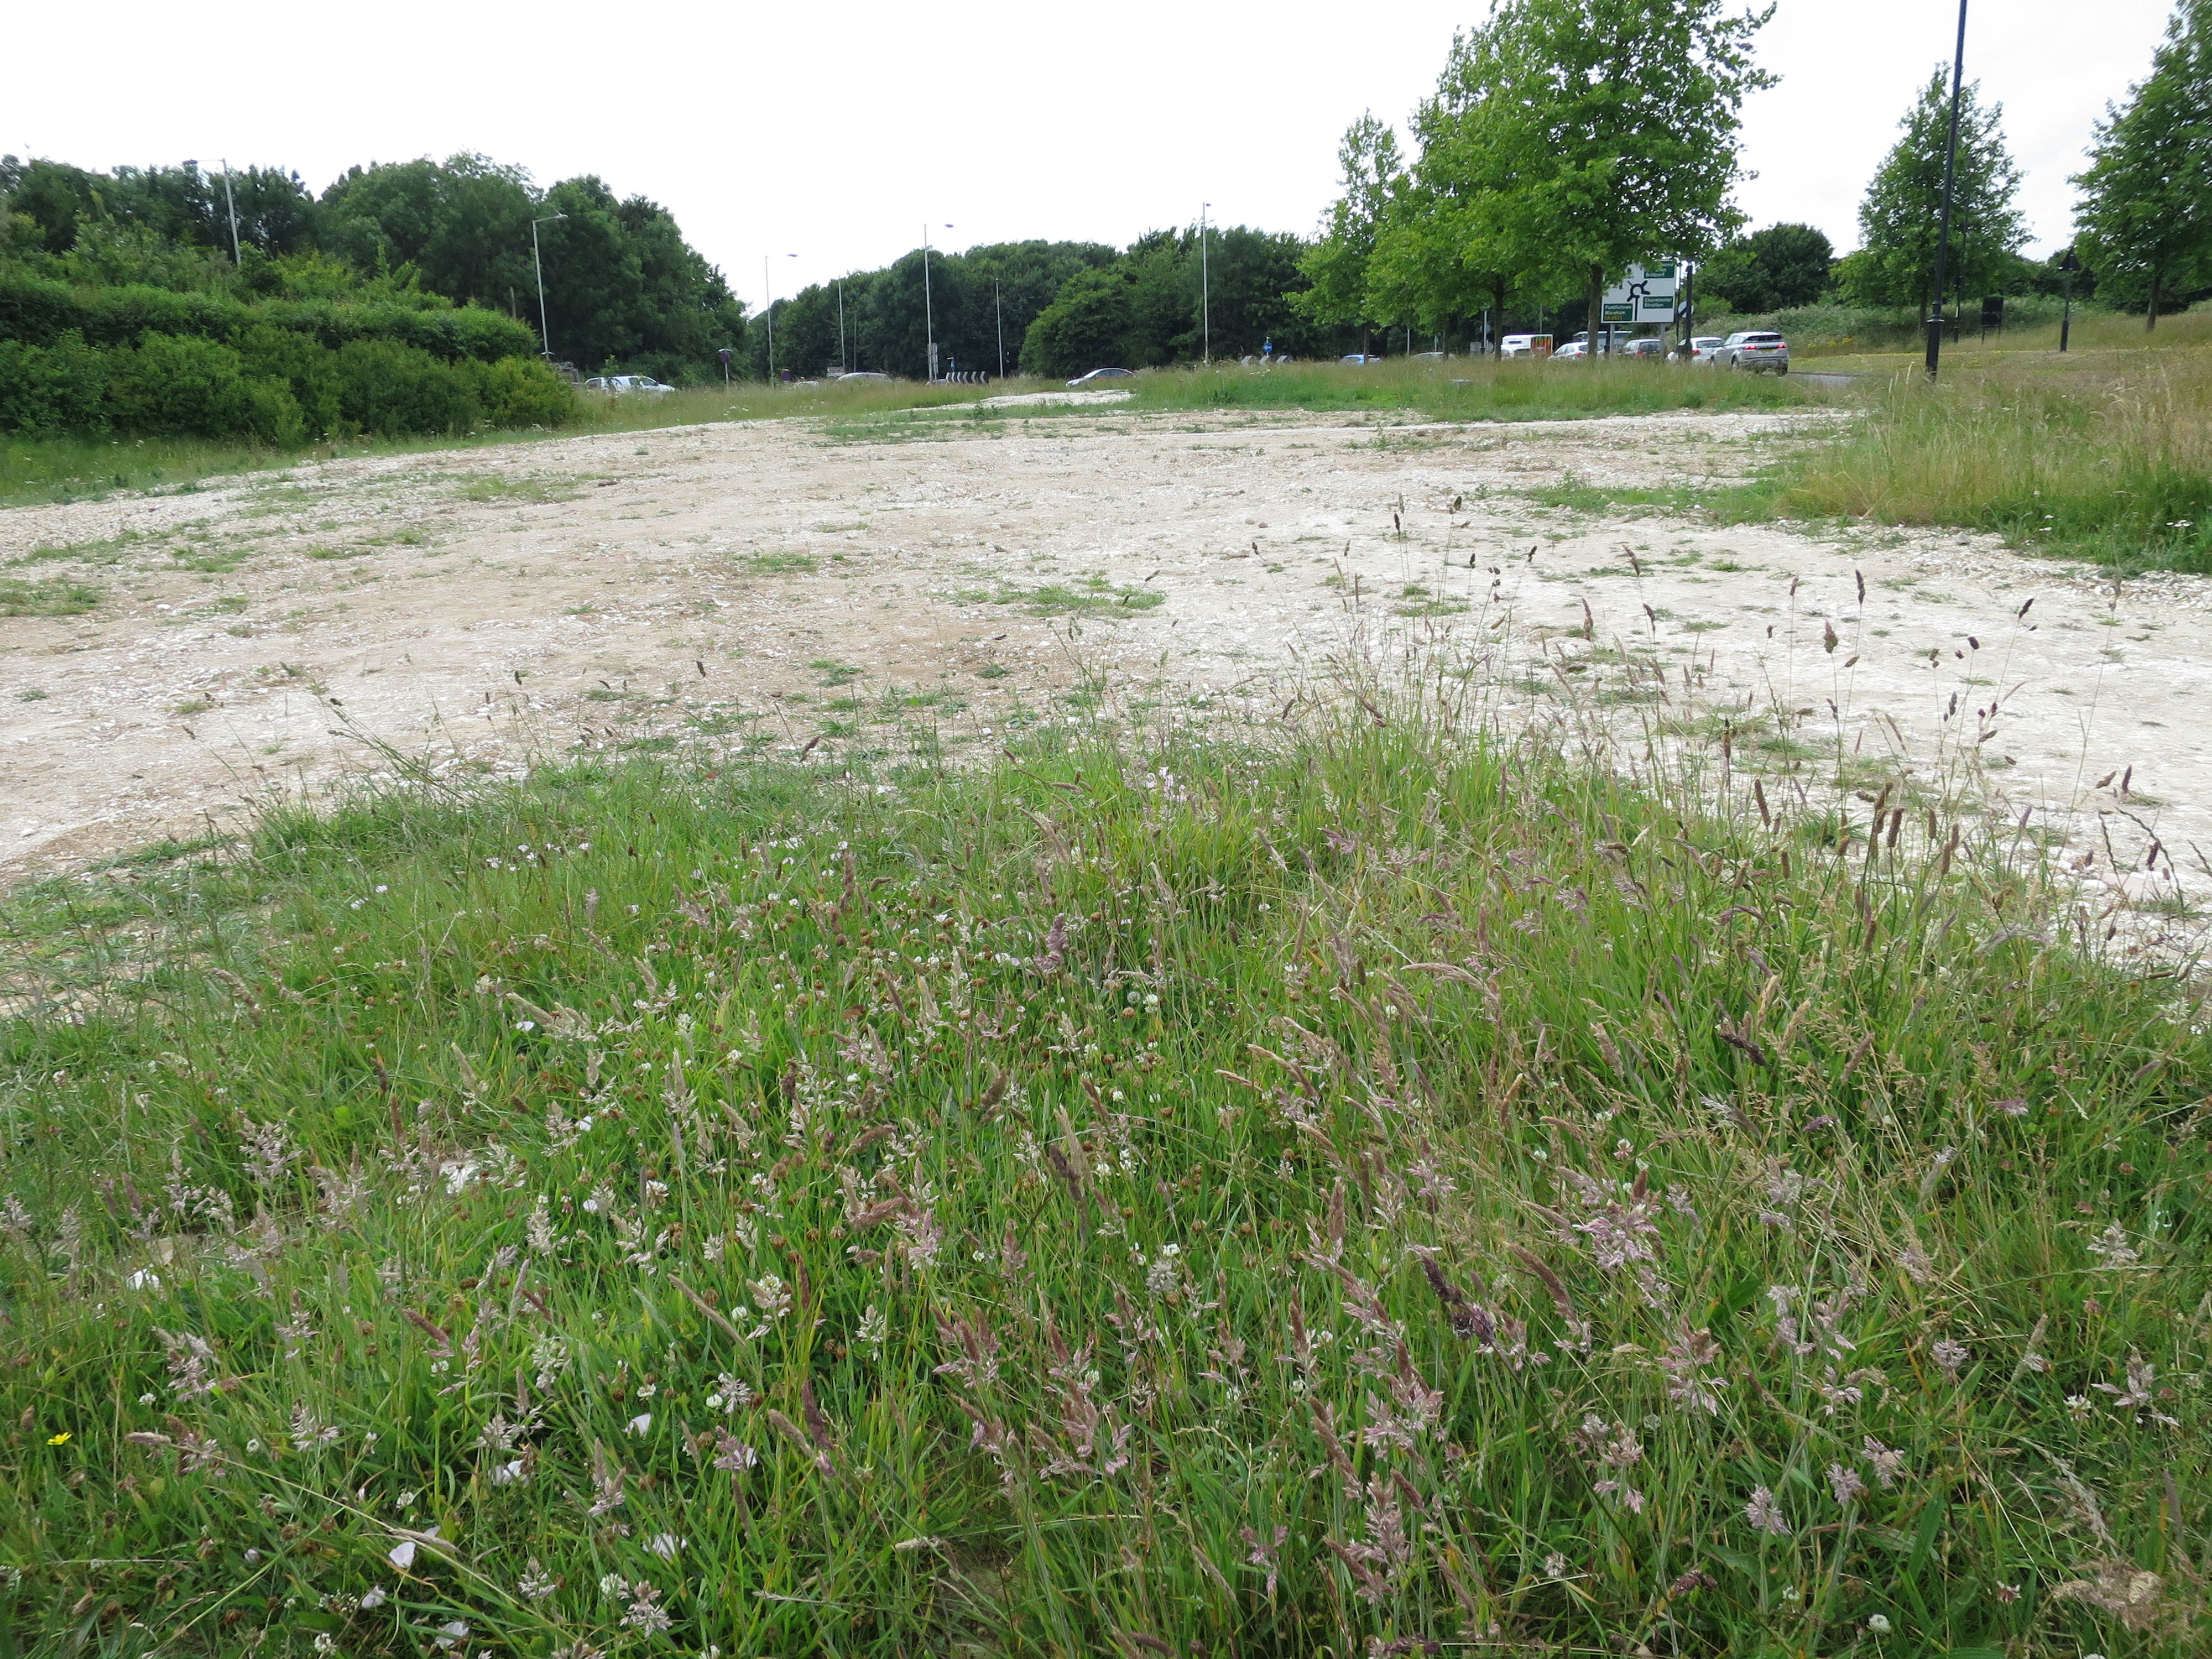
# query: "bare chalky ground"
{"type": "Point", "coordinates": [775, 584]}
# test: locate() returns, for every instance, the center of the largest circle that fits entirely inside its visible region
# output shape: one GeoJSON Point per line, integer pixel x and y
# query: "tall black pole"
{"type": "Point", "coordinates": [1950, 169]}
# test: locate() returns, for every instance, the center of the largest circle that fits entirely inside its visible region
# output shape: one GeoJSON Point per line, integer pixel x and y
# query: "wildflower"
{"type": "Point", "coordinates": [732, 1454]}
{"type": "Point", "coordinates": [1764, 1514]}
{"type": "Point", "coordinates": [2007, 1593]}
{"type": "Point", "coordinates": [402, 1555]}
{"type": "Point", "coordinates": [326, 1643]}
{"type": "Point", "coordinates": [665, 1544]}
{"type": "Point", "coordinates": [1844, 1482]}
{"type": "Point", "coordinates": [1878, 1623]}
{"type": "Point", "coordinates": [614, 1584]}
{"type": "Point", "coordinates": [507, 1474]}
{"type": "Point", "coordinates": [1555, 1565]}
{"type": "Point", "coordinates": [373, 1598]}
{"type": "Point", "coordinates": [539, 1227]}
{"type": "Point", "coordinates": [534, 1585]}
{"type": "Point", "coordinates": [1887, 1461]}
{"type": "Point", "coordinates": [1949, 1356]}
{"type": "Point", "coordinates": [2138, 1396]}
{"type": "Point", "coordinates": [640, 1425]}
{"type": "Point", "coordinates": [2011, 1107]}
{"type": "Point", "coordinates": [873, 1327]}
{"type": "Point", "coordinates": [61, 1439]}
{"type": "Point", "coordinates": [775, 1300]}
{"type": "Point", "coordinates": [451, 1635]}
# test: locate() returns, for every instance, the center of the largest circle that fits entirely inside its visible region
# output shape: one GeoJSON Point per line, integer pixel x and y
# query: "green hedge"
{"type": "Point", "coordinates": [39, 312]}
{"type": "Point", "coordinates": [276, 385]}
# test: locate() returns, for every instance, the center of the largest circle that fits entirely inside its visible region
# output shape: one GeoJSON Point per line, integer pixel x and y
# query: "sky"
{"type": "Point", "coordinates": [824, 140]}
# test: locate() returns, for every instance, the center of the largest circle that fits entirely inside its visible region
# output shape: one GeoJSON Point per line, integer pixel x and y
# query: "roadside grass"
{"type": "Point", "coordinates": [1470, 389]}
{"type": "Point", "coordinates": [2112, 464]}
{"type": "Point", "coordinates": [52, 598]}
{"type": "Point", "coordinates": [1138, 1197]}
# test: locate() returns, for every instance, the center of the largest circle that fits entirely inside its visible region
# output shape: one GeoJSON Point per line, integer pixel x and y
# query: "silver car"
{"type": "Point", "coordinates": [1703, 346]}
{"type": "Point", "coordinates": [628, 386]}
{"type": "Point", "coordinates": [1756, 352]}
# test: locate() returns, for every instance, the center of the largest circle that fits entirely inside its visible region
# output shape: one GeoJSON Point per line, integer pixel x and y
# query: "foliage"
{"type": "Point", "coordinates": [1899, 217]}
{"type": "Point", "coordinates": [1376, 1193]}
{"type": "Point", "coordinates": [173, 386]}
{"type": "Point", "coordinates": [1777, 269]}
{"type": "Point", "coordinates": [56, 388]}
{"type": "Point", "coordinates": [1590, 134]}
{"type": "Point", "coordinates": [2146, 208]}
{"type": "Point", "coordinates": [1336, 267]}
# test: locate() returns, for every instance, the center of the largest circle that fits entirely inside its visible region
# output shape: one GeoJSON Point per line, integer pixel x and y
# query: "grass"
{"type": "Point", "coordinates": [1469, 389]}
{"type": "Point", "coordinates": [1380, 1191]}
{"type": "Point", "coordinates": [52, 597]}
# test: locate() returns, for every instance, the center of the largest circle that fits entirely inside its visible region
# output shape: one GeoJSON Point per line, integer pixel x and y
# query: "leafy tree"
{"type": "Point", "coordinates": [463, 223]}
{"type": "Point", "coordinates": [1335, 267]}
{"type": "Point", "coordinates": [2146, 211]}
{"type": "Point", "coordinates": [1595, 133]}
{"type": "Point", "coordinates": [1083, 327]}
{"type": "Point", "coordinates": [1899, 218]}
{"type": "Point", "coordinates": [1769, 269]}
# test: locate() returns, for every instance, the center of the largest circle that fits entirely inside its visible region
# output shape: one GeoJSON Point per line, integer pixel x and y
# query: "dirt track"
{"type": "Point", "coordinates": [778, 582]}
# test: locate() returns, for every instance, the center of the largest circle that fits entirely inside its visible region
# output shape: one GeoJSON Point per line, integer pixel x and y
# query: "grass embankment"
{"type": "Point", "coordinates": [2109, 461]}
{"type": "Point", "coordinates": [70, 468]}
{"type": "Point", "coordinates": [1469, 389]}
{"type": "Point", "coordinates": [1181, 1202]}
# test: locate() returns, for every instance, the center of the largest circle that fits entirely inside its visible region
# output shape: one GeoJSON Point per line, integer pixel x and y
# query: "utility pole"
{"type": "Point", "coordinates": [537, 259]}
{"type": "Point", "coordinates": [1204, 288]}
{"type": "Point", "coordinates": [1943, 220]}
{"type": "Point", "coordinates": [231, 202]}
{"type": "Point", "coordinates": [928, 315]}
{"type": "Point", "coordinates": [844, 362]}
{"type": "Point", "coordinates": [998, 306]}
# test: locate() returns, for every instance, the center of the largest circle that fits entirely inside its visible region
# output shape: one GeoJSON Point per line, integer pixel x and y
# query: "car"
{"type": "Point", "coordinates": [1525, 345]}
{"type": "Point", "coordinates": [1650, 346]}
{"type": "Point", "coordinates": [1358, 358]}
{"type": "Point", "coordinates": [628, 386]}
{"type": "Point", "coordinates": [1573, 351]}
{"type": "Point", "coordinates": [1755, 351]}
{"type": "Point", "coordinates": [1703, 346]}
{"type": "Point", "coordinates": [1427, 357]}
{"type": "Point", "coordinates": [1098, 375]}
{"type": "Point", "coordinates": [863, 375]}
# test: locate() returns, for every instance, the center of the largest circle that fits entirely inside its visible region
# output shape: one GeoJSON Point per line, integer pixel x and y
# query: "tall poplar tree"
{"type": "Point", "coordinates": [2145, 216]}
{"type": "Point", "coordinates": [1336, 267]}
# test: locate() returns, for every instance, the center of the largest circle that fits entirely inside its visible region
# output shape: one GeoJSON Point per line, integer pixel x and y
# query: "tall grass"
{"type": "Point", "coordinates": [2116, 467]}
{"type": "Point", "coordinates": [1382, 1191]}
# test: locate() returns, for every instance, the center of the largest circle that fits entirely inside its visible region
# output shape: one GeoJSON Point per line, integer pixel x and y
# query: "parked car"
{"type": "Point", "coordinates": [1703, 346]}
{"type": "Point", "coordinates": [1573, 351]}
{"type": "Point", "coordinates": [1650, 346]}
{"type": "Point", "coordinates": [628, 386]}
{"type": "Point", "coordinates": [1357, 358]}
{"type": "Point", "coordinates": [1525, 345]}
{"type": "Point", "coordinates": [1098, 375]}
{"type": "Point", "coordinates": [1755, 352]}
{"type": "Point", "coordinates": [1428, 358]}
{"type": "Point", "coordinates": [863, 375]}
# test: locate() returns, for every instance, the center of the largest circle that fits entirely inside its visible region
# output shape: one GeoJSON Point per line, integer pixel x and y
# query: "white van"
{"type": "Point", "coordinates": [1525, 345]}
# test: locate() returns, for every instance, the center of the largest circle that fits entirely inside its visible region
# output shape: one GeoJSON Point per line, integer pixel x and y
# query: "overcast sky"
{"type": "Point", "coordinates": [834, 131]}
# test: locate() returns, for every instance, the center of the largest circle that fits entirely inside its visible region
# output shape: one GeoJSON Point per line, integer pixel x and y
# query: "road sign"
{"type": "Point", "coordinates": [1645, 295]}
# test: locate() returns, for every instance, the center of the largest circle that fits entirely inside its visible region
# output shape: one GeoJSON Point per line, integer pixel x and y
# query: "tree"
{"type": "Point", "coordinates": [1335, 267]}
{"type": "Point", "coordinates": [1600, 132]}
{"type": "Point", "coordinates": [1899, 217]}
{"type": "Point", "coordinates": [463, 223]}
{"type": "Point", "coordinates": [1770, 269]}
{"type": "Point", "coordinates": [2145, 215]}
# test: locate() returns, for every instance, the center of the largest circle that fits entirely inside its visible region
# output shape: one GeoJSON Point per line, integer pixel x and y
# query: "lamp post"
{"type": "Point", "coordinates": [1943, 219]}
{"type": "Point", "coordinates": [230, 202]}
{"type": "Point", "coordinates": [928, 314]}
{"type": "Point", "coordinates": [1204, 289]}
{"type": "Point", "coordinates": [999, 309]}
{"type": "Point", "coordinates": [770, 310]}
{"type": "Point", "coordinates": [844, 360]}
{"type": "Point", "coordinates": [2069, 264]}
{"type": "Point", "coordinates": [537, 259]}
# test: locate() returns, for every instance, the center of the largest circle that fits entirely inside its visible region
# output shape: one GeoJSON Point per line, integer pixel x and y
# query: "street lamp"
{"type": "Point", "coordinates": [1204, 289]}
{"type": "Point", "coordinates": [1943, 219]}
{"type": "Point", "coordinates": [928, 314]}
{"type": "Point", "coordinates": [998, 307]}
{"type": "Point", "coordinates": [537, 259]}
{"type": "Point", "coordinates": [769, 312]}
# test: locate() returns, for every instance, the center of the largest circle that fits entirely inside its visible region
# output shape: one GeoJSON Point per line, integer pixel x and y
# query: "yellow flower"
{"type": "Point", "coordinates": [61, 1439]}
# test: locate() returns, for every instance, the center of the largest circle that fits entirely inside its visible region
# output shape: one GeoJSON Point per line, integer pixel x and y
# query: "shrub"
{"type": "Point", "coordinates": [385, 387]}
{"type": "Point", "coordinates": [180, 387]}
{"type": "Point", "coordinates": [516, 392]}
{"type": "Point", "coordinates": [46, 391]}
{"type": "Point", "coordinates": [308, 369]}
